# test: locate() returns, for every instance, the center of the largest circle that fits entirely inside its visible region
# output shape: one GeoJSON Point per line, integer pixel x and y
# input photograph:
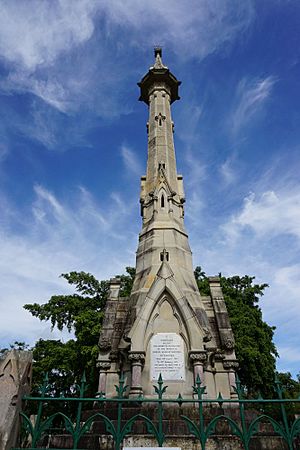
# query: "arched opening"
{"type": "Point", "coordinates": [162, 201]}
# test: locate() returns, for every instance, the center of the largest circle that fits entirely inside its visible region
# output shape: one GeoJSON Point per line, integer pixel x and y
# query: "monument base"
{"type": "Point", "coordinates": [184, 442]}
{"type": "Point", "coordinates": [175, 431]}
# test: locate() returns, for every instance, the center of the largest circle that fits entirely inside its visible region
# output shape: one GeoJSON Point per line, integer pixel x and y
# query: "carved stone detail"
{"type": "Point", "coordinates": [160, 118]}
{"type": "Point", "coordinates": [104, 343]}
{"type": "Point", "coordinates": [228, 343]}
{"type": "Point", "coordinates": [103, 365]}
{"type": "Point", "coordinates": [114, 356]}
{"type": "Point", "coordinates": [231, 364]}
{"type": "Point", "coordinates": [137, 357]}
{"type": "Point", "coordinates": [219, 356]}
{"type": "Point", "coordinates": [15, 379]}
{"type": "Point", "coordinates": [198, 356]}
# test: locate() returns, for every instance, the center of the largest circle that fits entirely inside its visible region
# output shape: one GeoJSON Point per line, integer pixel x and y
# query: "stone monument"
{"type": "Point", "coordinates": [165, 327]}
{"type": "Point", "coordinates": [15, 381]}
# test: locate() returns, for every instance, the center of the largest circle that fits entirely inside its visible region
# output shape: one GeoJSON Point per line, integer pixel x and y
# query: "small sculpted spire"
{"type": "Point", "coordinates": [158, 59]}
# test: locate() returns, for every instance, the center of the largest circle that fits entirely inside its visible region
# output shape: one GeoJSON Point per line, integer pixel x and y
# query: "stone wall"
{"type": "Point", "coordinates": [15, 380]}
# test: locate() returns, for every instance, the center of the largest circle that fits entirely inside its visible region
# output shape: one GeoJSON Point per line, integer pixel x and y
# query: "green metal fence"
{"type": "Point", "coordinates": [201, 429]}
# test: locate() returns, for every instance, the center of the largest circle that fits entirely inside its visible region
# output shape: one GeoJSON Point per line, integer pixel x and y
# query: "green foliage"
{"type": "Point", "coordinates": [81, 313]}
{"type": "Point", "coordinates": [64, 310]}
{"type": "Point", "coordinates": [202, 281]}
{"type": "Point", "coordinates": [127, 282]}
{"type": "Point", "coordinates": [290, 386]}
{"type": "Point", "coordinates": [61, 361]}
{"type": "Point", "coordinates": [255, 349]}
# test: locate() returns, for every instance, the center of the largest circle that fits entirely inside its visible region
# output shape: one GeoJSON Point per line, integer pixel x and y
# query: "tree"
{"type": "Point", "coordinates": [83, 311]}
{"type": "Point", "coordinates": [255, 348]}
{"type": "Point", "coordinates": [80, 313]}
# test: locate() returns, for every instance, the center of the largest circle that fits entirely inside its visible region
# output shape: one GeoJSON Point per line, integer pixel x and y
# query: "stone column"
{"type": "Point", "coordinates": [231, 365]}
{"type": "Point", "coordinates": [137, 360]}
{"type": "Point", "coordinates": [155, 206]}
{"type": "Point", "coordinates": [198, 359]}
{"type": "Point", "coordinates": [170, 205]}
{"type": "Point", "coordinates": [103, 366]}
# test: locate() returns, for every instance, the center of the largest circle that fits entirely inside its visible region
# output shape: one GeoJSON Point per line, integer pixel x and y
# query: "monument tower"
{"type": "Point", "coordinates": [165, 326]}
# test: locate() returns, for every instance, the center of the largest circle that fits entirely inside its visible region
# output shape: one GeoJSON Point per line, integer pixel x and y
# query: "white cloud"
{"type": "Point", "coordinates": [54, 238]}
{"type": "Point", "coordinates": [289, 354]}
{"type": "Point", "coordinates": [3, 151]}
{"type": "Point", "coordinates": [34, 34]}
{"type": "Point", "coordinates": [262, 239]}
{"type": "Point", "coordinates": [60, 50]}
{"type": "Point", "coordinates": [131, 161]}
{"type": "Point", "coordinates": [193, 30]}
{"type": "Point", "coordinates": [288, 277]}
{"type": "Point", "coordinates": [272, 213]}
{"type": "Point", "coordinates": [251, 95]}
{"type": "Point", "coordinates": [227, 172]}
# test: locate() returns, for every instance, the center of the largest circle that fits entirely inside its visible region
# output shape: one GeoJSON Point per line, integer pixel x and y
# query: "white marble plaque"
{"type": "Point", "coordinates": [167, 357]}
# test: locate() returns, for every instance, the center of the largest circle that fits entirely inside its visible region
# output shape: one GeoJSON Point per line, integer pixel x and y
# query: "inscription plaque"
{"type": "Point", "coordinates": [167, 357]}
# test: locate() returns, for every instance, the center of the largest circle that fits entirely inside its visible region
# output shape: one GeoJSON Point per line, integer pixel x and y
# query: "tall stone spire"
{"type": "Point", "coordinates": [159, 88]}
{"type": "Point", "coordinates": [163, 239]}
{"type": "Point", "coordinates": [165, 314]}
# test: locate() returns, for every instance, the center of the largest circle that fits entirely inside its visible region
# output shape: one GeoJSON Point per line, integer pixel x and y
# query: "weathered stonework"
{"type": "Point", "coordinates": [15, 379]}
{"type": "Point", "coordinates": [165, 296]}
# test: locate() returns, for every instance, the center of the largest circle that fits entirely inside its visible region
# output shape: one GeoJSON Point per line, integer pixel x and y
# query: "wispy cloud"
{"type": "Point", "coordinates": [272, 213]}
{"type": "Point", "coordinates": [261, 238]}
{"type": "Point", "coordinates": [251, 95]}
{"type": "Point", "coordinates": [196, 31]}
{"type": "Point", "coordinates": [227, 171]}
{"type": "Point", "coordinates": [54, 237]}
{"type": "Point", "coordinates": [34, 34]}
{"type": "Point", "coordinates": [289, 355]}
{"type": "Point", "coordinates": [58, 50]}
{"type": "Point", "coordinates": [131, 161]}
{"type": "Point", "coordinates": [3, 151]}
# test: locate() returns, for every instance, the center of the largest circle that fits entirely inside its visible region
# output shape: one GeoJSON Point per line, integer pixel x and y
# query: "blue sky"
{"type": "Point", "coordinates": [73, 145]}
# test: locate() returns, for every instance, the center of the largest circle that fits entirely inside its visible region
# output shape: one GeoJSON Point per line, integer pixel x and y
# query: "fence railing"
{"type": "Point", "coordinates": [78, 426]}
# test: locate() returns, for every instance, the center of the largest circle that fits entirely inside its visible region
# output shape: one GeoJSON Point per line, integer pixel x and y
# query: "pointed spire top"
{"type": "Point", "coordinates": [157, 74]}
{"type": "Point", "coordinates": [158, 58]}
{"type": "Point", "coordinates": [157, 51]}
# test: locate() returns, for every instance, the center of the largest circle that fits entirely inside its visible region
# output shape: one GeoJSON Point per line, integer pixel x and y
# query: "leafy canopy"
{"type": "Point", "coordinates": [82, 313]}
{"type": "Point", "coordinates": [255, 349]}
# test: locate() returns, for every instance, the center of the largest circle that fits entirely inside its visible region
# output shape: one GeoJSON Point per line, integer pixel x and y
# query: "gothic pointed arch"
{"type": "Point", "coordinates": [169, 287]}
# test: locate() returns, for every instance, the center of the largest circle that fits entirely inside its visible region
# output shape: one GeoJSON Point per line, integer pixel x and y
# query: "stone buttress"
{"type": "Point", "coordinates": [165, 326]}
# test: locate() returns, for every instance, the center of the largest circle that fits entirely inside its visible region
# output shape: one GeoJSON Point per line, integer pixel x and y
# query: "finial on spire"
{"type": "Point", "coordinates": [158, 61]}
{"type": "Point", "coordinates": [157, 51]}
{"type": "Point", "coordinates": [158, 73]}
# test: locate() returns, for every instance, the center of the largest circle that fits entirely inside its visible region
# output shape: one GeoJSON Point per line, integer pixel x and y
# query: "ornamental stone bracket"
{"type": "Point", "coordinates": [137, 357]}
{"type": "Point", "coordinates": [198, 358]}
{"type": "Point", "coordinates": [103, 367]}
{"type": "Point", "coordinates": [228, 342]}
{"type": "Point", "coordinates": [231, 364]}
{"type": "Point", "coordinates": [137, 360]}
{"type": "Point", "coordinates": [104, 343]}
